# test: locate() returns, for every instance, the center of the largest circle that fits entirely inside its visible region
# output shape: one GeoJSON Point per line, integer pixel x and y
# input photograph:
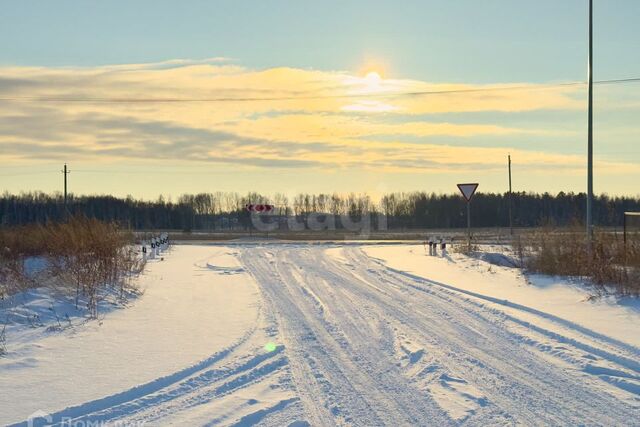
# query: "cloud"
{"type": "Point", "coordinates": [215, 111]}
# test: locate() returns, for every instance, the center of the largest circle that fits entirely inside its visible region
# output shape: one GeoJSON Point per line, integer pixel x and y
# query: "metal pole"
{"type": "Point", "coordinates": [65, 185]}
{"type": "Point", "coordinates": [469, 221]}
{"type": "Point", "coordinates": [590, 132]}
{"type": "Point", "coordinates": [250, 221]}
{"type": "Point", "coordinates": [65, 172]}
{"type": "Point", "coordinates": [510, 199]}
{"type": "Point", "coordinates": [624, 228]}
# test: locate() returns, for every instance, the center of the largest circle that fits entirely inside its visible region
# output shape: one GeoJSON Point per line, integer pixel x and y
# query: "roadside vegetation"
{"type": "Point", "coordinates": [81, 259]}
{"type": "Point", "coordinates": [610, 264]}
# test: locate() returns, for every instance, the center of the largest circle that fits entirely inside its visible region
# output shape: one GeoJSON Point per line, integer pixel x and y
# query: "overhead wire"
{"type": "Point", "coordinates": [314, 97]}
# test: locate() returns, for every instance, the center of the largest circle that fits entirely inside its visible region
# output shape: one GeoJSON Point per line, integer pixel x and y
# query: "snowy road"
{"type": "Point", "coordinates": [360, 343]}
{"type": "Point", "coordinates": [371, 346]}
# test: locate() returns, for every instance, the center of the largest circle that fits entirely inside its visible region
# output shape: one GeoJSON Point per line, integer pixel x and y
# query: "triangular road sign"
{"type": "Point", "coordinates": [468, 190]}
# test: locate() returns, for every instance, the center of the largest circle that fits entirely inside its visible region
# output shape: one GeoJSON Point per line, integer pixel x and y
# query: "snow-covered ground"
{"type": "Point", "coordinates": [327, 334]}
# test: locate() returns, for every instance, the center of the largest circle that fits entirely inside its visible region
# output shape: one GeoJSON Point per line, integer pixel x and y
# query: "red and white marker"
{"type": "Point", "coordinates": [260, 208]}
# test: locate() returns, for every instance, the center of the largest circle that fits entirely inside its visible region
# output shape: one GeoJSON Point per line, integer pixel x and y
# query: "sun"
{"type": "Point", "coordinates": [367, 82]}
{"type": "Point", "coordinates": [372, 79]}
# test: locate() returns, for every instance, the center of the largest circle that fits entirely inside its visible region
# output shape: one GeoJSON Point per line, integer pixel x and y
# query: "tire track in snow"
{"type": "Point", "coordinates": [336, 381]}
{"type": "Point", "coordinates": [602, 339]}
{"type": "Point", "coordinates": [333, 316]}
{"type": "Point", "coordinates": [125, 402]}
{"type": "Point", "coordinates": [582, 402]}
{"type": "Point", "coordinates": [228, 371]}
{"type": "Point", "coordinates": [592, 345]}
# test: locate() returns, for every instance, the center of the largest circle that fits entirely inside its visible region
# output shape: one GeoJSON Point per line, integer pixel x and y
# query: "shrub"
{"type": "Point", "coordinates": [608, 263]}
{"type": "Point", "coordinates": [83, 258]}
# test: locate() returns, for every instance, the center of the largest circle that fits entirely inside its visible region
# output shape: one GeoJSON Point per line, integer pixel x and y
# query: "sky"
{"type": "Point", "coordinates": [145, 98]}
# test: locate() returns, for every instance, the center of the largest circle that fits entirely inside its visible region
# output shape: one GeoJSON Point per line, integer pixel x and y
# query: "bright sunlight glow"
{"type": "Point", "coordinates": [372, 79]}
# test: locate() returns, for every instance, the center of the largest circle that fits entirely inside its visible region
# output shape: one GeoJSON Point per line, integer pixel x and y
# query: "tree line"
{"type": "Point", "coordinates": [226, 210]}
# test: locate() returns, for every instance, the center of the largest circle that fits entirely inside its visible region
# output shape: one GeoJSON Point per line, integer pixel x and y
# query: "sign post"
{"type": "Point", "coordinates": [468, 190]}
{"type": "Point", "coordinates": [624, 226]}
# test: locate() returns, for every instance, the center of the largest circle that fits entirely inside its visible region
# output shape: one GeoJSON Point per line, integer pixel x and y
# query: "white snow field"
{"type": "Point", "coordinates": [296, 334]}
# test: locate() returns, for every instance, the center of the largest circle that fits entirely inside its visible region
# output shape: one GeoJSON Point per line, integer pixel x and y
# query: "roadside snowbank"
{"type": "Point", "coordinates": [187, 313]}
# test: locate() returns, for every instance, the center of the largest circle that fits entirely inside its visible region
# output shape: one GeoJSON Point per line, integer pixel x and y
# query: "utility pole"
{"type": "Point", "coordinates": [510, 198]}
{"type": "Point", "coordinates": [590, 133]}
{"type": "Point", "coordinates": [65, 172]}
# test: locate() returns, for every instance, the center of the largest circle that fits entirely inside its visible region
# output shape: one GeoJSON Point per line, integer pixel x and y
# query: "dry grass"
{"type": "Point", "coordinates": [468, 247]}
{"type": "Point", "coordinates": [3, 340]}
{"type": "Point", "coordinates": [83, 258]}
{"type": "Point", "coordinates": [609, 264]}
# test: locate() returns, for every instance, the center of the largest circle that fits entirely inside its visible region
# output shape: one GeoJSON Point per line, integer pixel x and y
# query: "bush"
{"type": "Point", "coordinates": [609, 263]}
{"type": "Point", "coordinates": [83, 258]}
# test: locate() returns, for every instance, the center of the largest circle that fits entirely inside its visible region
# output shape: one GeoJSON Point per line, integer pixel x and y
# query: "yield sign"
{"type": "Point", "coordinates": [468, 190]}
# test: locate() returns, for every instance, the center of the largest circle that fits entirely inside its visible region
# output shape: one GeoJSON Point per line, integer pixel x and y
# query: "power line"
{"type": "Point", "coordinates": [312, 97]}
{"type": "Point", "coordinates": [147, 171]}
{"type": "Point", "coordinates": [28, 173]}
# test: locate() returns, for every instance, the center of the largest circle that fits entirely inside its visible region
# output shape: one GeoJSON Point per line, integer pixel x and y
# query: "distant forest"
{"type": "Point", "coordinates": [226, 211]}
